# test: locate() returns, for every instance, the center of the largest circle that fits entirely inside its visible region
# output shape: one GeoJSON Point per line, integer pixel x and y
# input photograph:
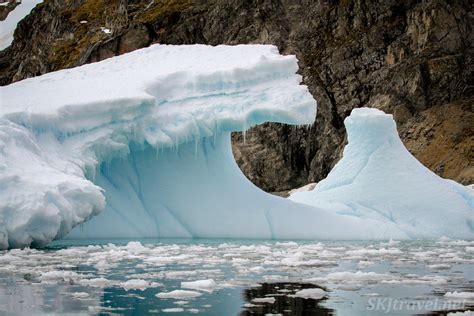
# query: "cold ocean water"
{"type": "Point", "coordinates": [239, 277]}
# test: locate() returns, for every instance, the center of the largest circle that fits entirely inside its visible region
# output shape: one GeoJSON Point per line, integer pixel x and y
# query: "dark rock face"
{"type": "Point", "coordinates": [410, 58]}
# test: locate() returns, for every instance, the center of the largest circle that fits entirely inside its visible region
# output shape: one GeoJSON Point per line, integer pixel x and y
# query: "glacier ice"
{"type": "Point", "coordinates": [139, 146]}
{"type": "Point", "coordinates": [378, 178]}
{"type": "Point", "coordinates": [8, 26]}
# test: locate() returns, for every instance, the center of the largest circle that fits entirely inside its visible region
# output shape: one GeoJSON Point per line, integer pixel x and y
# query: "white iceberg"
{"type": "Point", "coordinates": [378, 178]}
{"type": "Point", "coordinates": [139, 146]}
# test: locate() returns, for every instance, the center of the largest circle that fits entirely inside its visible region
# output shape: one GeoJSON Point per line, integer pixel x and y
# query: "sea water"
{"type": "Point", "coordinates": [238, 277]}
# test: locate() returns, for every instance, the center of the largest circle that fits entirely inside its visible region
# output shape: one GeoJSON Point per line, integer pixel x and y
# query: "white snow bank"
{"type": "Point", "coordinates": [378, 178]}
{"type": "Point", "coordinates": [8, 26]}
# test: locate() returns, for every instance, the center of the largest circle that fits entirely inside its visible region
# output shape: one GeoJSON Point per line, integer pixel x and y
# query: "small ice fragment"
{"type": "Point", "coordinates": [315, 294]}
{"type": "Point", "coordinates": [178, 294]}
{"type": "Point", "coordinates": [203, 285]}
{"type": "Point", "coordinates": [460, 295]}
{"type": "Point", "coordinates": [80, 295]}
{"type": "Point", "coordinates": [173, 310]}
{"type": "Point", "coordinates": [267, 300]}
{"type": "Point", "coordinates": [135, 284]}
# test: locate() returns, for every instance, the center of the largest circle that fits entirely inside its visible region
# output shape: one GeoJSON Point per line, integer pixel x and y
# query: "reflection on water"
{"type": "Point", "coordinates": [285, 303]}
{"type": "Point", "coordinates": [238, 277]}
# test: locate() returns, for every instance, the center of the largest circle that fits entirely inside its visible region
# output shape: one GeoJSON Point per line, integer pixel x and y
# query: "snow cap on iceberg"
{"type": "Point", "coordinates": [378, 178]}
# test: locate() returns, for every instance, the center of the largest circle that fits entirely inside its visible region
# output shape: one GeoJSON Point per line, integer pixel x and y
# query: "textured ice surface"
{"type": "Point", "coordinates": [64, 131]}
{"type": "Point", "coordinates": [378, 178]}
{"type": "Point", "coordinates": [8, 26]}
{"type": "Point", "coordinates": [138, 146]}
{"type": "Point", "coordinates": [145, 138]}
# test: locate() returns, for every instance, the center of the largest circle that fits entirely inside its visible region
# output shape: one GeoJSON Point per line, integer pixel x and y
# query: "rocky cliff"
{"type": "Point", "coordinates": [410, 58]}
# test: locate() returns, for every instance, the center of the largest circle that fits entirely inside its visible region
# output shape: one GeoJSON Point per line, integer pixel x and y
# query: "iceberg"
{"type": "Point", "coordinates": [379, 178]}
{"type": "Point", "coordinates": [138, 146]}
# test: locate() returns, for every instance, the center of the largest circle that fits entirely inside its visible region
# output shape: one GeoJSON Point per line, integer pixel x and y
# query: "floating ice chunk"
{"type": "Point", "coordinates": [358, 276]}
{"type": "Point", "coordinates": [296, 261]}
{"type": "Point", "coordinates": [365, 263]}
{"type": "Point", "coordinates": [208, 285]}
{"type": "Point", "coordinates": [265, 300]}
{"type": "Point", "coordinates": [430, 280]}
{"type": "Point", "coordinates": [371, 294]}
{"type": "Point", "coordinates": [97, 282]}
{"type": "Point", "coordinates": [391, 243]}
{"type": "Point", "coordinates": [465, 313]}
{"type": "Point", "coordinates": [59, 276]}
{"type": "Point", "coordinates": [249, 305]}
{"type": "Point", "coordinates": [173, 310]}
{"type": "Point", "coordinates": [135, 284]}
{"type": "Point", "coordinates": [179, 274]}
{"type": "Point", "coordinates": [287, 244]}
{"type": "Point", "coordinates": [136, 247]}
{"type": "Point", "coordinates": [315, 294]}
{"type": "Point", "coordinates": [80, 295]}
{"type": "Point", "coordinates": [178, 294]}
{"type": "Point", "coordinates": [439, 266]}
{"type": "Point", "coordinates": [374, 252]}
{"type": "Point", "coordinates": [460, 295]}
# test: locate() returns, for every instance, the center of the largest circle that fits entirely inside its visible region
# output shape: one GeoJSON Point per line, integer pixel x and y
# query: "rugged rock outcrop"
{"type": "Point", "coordinates": [410, 58]}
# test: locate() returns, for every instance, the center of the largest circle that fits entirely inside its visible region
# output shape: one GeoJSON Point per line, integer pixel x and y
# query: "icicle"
{"type": "Point", "coordinates": [196, 142]}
